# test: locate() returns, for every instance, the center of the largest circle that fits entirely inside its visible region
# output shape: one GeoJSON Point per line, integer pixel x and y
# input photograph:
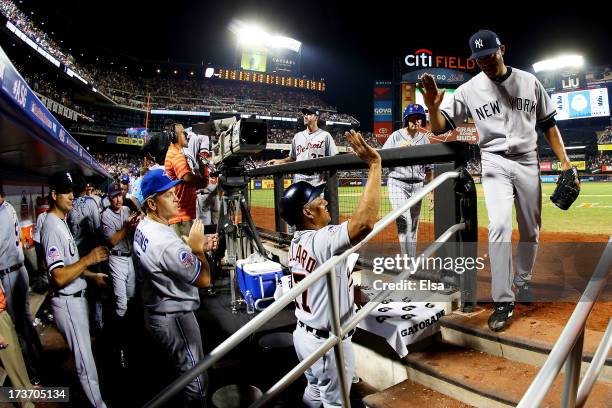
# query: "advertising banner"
{"type": "Point", "coordinates": [545, 166]}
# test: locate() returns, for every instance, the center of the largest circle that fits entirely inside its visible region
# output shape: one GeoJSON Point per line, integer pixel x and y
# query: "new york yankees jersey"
{"type": "Point", "coordinates": [401, 138]}
{"type": "Point", "coordinates": [11, 252]}
{"type": "Point", "coordinates": [84, 222]}
{"type": "Point", "coordinates": [505, 113]}
{"type": "Point", "coordinates": [305, 146]}
{"type": "Point", "coordinates": [308, 250]}
{"type": "Point", "coordinates": [60, 250]}
{"type": "Point", "coordinates": [112, 222]}
{"type": "Point", "coordinates": [168, 268]}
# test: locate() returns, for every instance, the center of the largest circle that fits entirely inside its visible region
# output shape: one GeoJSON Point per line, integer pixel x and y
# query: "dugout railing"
{"type": "Point", "coordinates": [568, 349]}
{"type": "Point", "coordinates": [451, 175]}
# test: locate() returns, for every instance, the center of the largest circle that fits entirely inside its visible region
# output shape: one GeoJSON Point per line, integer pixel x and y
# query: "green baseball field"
{"type": "Point", "coordinates": [590, 214]}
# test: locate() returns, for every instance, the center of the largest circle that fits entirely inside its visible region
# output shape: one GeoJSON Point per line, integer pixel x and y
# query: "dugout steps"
{"type": "Point", "coordinates": [529, 339]}
{"type": "Point", "coordinates": [473, 377]}
{"type": "Point", "coordinates": [409, 394]}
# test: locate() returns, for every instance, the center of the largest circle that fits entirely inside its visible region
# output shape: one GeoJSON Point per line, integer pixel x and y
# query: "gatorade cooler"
{"type": "Point", "coordinates": [27, 241]}
{"type": "Point", "coordinates": [259, 278]}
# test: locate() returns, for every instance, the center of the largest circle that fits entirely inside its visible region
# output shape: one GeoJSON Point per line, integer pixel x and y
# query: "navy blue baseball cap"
{"type": "Point", "coordinates": [114, 190]}
{"type": "Point", "coordinates": [156, 181]}
{"type": "Point", "coordinates": [61, 182]}
{"type": "Point", "coordinates": [296, 197]}
{"type": "Point", "coordinates": [483, 43]}
{"type": "Point", "coordinates": [311, 110]}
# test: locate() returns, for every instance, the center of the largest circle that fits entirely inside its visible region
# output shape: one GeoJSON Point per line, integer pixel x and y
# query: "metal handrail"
{"type": "Point", "coordinates": [245, 331]}
{"type": "Point", "coordinates": [570, 341]}
{"type": "Point", "coordinates": [595, 367]}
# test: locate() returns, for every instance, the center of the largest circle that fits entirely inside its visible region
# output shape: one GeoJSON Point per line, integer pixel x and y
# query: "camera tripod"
{"type": "Point", "coordinates": [233, 183]}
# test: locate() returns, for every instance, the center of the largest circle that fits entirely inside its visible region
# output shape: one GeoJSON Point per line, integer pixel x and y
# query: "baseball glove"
{"type": "Point", "coordinates": [566, 191]}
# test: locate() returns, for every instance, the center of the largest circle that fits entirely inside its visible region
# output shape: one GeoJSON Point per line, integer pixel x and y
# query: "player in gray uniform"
{"type": "Point", "coordinates": [15, 281]}
{"type": "Point", "coordinates": [197, 153]}
{"type": "Point", "coordinates": [507, 106]}
{"type": "Point", "coordinates": [67, 273]}
{"type": "Point", "coordinates": [84, 222]}
{"type": "Point", "coordinates": [404, 182]}
{"type": "Point", "coordinates": [311, 143]}
{"type": "Point", "coordinates": [172, 271]}
{"type": "Point", "coordinates": [118, 225]}
{"type": "Point", "coordinates": [314, 243]}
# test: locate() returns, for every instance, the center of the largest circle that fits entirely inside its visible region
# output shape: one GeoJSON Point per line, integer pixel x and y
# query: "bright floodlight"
{"type": "Point", "coordinates": [560, 62]}
{"type": "Point", "coordinates": [209, 72]}
{"type": "Point", "coordinates": [253, 35]}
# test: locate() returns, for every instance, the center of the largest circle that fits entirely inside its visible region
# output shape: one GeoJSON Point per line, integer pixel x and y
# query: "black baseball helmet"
{"type": "Point", "coordinates": [295, 198]}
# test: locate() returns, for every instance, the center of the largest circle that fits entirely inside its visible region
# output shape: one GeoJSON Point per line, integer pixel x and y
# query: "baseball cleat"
{"type": "Point", "coordinates": [501, 314]}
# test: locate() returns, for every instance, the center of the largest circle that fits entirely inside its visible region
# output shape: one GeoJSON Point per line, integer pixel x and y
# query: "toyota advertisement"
{"type": "Point", "coordinates": [383, 110]}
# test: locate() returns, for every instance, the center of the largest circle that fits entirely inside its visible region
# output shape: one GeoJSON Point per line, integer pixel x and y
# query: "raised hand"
{"type": "Point", "coordinates": [364, 151]}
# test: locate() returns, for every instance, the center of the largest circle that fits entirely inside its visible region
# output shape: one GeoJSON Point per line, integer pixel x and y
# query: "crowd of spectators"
{"type": "Point", "coordinates": [172, 93]}
{"type": "Point", "coordinates": [600, 159]}
{"type": "Point", "coordinates": [25, 24]}
{"type": "Point", "coordinates": [117, 164]}
{"type": "Point", "coordinates": [605, 137]}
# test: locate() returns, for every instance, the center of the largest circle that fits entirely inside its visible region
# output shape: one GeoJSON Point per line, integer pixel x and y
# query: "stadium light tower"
{"type": "Point", "coordinates": [253, 35]}
{"type": "Point", "coordinates": [560, 62]}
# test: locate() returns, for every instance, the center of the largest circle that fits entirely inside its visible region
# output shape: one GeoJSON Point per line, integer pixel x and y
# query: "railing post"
{"type": "Point", "coordinates": [279, 188]}
{"type": "Point", "coordinates": [572, 373]}
{"type": "Point", "coordinates": [465, 190]}
{"type": "Point", "coordinates": [331, 195]}
{"type": "Point", "coordinates": [446, 214]}
{"type": "Point", "coordinates": [334, 317]}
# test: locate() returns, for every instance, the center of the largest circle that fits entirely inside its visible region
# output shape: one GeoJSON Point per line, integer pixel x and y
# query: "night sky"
{"type": "Point", "coordinates": [350, 44]}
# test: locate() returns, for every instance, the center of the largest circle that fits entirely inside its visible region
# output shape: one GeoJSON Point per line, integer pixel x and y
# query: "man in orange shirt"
{"type": "Point", "coordinates": [177, 168]}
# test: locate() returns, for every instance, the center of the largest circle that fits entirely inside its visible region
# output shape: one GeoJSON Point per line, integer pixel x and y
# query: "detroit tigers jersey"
{"type": "Point", "coordinates": [168, 268]}
{"type": "Point", "coordinates": [60, 250]}
{"type": "Point", "coordinates": [11, 252]}
{"type": "Point", "coordinates": [401, 138]}
{"type": "Point", "coordinates": [305, 146]}
{"type": "Point", "coordinates": [505, 113]}
{"type": "Point", "coordinates": [308, 250]}
{"type": "Point", "coordinates": [84, 222]}
{"type": "Point", "coordinates": [112, 222]}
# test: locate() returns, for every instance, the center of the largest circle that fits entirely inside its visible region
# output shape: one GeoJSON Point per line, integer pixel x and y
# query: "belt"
{"type": "Point", "coordinates": [409, 181]}
{"type": "Point", "coordinates": [504, 154]}
{"type": "Point", "coordinates": [153, 312]}
{"type": "Point", "coordinates": [13, 268]}
{"type": "Point", "coordinates": [80, 293]}
{"type": "Point", "coordinates": [322, 333]}
{"type": "Point", "coordinates": [121, 253]}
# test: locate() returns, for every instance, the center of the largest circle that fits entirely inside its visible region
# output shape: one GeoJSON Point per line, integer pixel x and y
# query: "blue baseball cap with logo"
{"type": "Point", "coordinates": [483, 43]}
{"type": "Point", "coordinates": [125, 179]}
{"type": "Point", "coordinates": [156, 181]}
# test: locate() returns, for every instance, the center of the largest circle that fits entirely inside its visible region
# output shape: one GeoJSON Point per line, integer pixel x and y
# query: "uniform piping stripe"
{"type": "Point", "coordinates": [448, 120]}
{"type": "Point", "coordinates": [198, 270]}
{"type": "Point", "coordinates": [190, 354]}
{"type": "Point", "coordinates": [56, 264]}
{"type": "Point", "coordinates": [547, 117]}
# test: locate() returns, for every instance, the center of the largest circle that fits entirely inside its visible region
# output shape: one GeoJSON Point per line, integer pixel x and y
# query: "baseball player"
{"type": "Point", "coordinates": [84, 222]}
{"type": "Point", "coordinates": [405, 181]}
{"type": "Point", "coordinates": [313, 243]}
{"type": "Point", "coordinates": [197, 153]}
{"type": "Point", "coordinates": [118, 225]}
{"type": "Point", "coordinates": [172, 270]}
{"type": "Point", "coordinates": [507, 106]}
{"type": "Point", "coordinates": [15, 281]}
{"type": "Point", "coordinates": [311, 143]}
{"type": "Point", "coordinates": [67, 273]}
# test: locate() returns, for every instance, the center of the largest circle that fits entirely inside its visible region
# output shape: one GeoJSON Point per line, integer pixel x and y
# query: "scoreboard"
{"type": "Point", "coordinates": [270, 79]}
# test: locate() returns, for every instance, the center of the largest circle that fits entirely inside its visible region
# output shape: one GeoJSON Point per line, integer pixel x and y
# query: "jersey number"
{"type": "Point", "coordinates": [301, 302]}
{"type": "Point", "coordinates": [315, 156]}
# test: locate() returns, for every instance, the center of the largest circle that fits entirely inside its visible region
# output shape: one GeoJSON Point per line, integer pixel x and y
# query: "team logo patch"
{"type": "Point", "coordinates": [186, 258]}
{"type": "Point", "coordinates": [53, 254]}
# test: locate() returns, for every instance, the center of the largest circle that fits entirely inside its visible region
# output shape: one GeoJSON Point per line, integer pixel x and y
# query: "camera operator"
{"type": "Point", "coordinates": [157, 146]}
{"type": "Point", "coordinates": [177, 168]}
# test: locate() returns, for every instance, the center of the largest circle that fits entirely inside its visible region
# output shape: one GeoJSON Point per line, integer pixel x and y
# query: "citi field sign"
{"type": "Point", "coordinates": [424, 58]}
